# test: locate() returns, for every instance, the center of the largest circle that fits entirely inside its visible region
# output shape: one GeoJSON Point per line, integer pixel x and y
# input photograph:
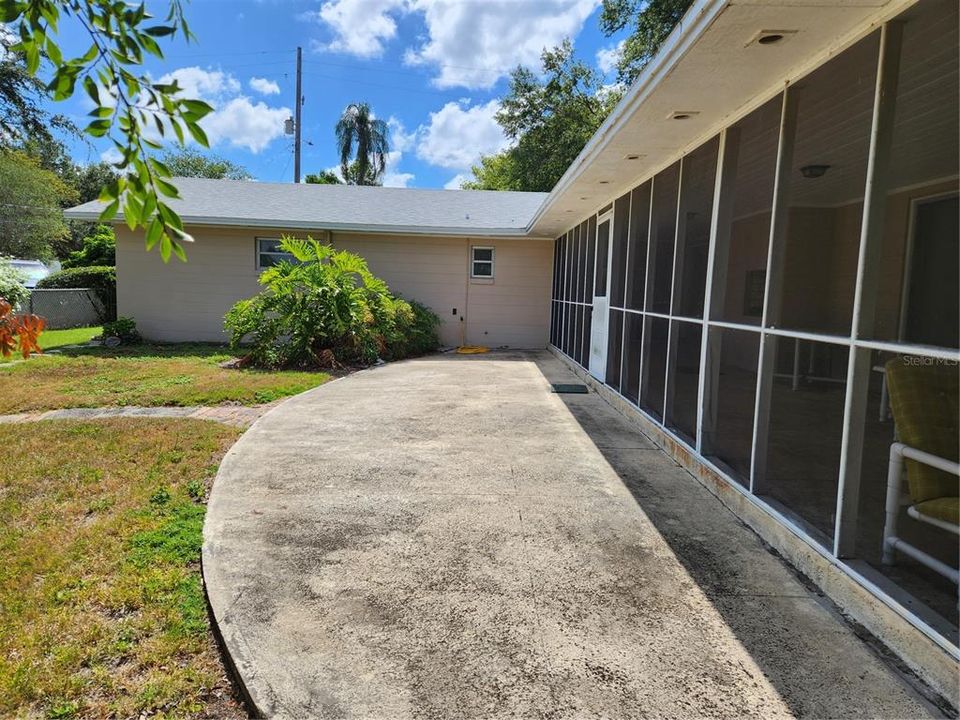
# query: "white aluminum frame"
{"type": "Point", "coordinates": [858, 342]}
{"type": "Point", "coordinates": [491, 261]}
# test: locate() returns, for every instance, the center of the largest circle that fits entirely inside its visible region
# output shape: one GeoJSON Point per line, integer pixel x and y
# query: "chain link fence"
{"type": "Point", "coordinates": [67, 307]}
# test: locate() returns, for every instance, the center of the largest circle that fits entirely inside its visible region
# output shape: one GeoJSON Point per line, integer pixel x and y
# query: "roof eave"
{"type": "Point", "coordinates": [690, 28]}
{"type": "Point", "coordinates": [94, 215]}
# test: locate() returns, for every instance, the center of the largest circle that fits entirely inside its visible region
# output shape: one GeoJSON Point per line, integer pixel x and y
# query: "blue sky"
{"type": "Point", "coordinates": [432, 68]}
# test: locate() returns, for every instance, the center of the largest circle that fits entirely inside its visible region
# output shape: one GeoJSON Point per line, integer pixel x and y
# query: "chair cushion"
{"type": "Point", "coordinates": [924, 400]}
{"type": "Point", "coordinates": [945, 508]}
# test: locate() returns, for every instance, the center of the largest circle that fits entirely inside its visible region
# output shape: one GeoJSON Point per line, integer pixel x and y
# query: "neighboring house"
{"type": "Point", "coordinates": [34, 271]}
{"type": "Point", "coordinates": [767, 219]}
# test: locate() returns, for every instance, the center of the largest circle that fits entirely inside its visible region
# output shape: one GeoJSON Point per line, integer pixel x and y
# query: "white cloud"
{"type": "Point", "coordinates": [607, 58]}
{"type": "Point", "coordinates": [391, 179]}
{"type": "Point", "coordinates": [199, 83]}
{"type": "Point", "coordinates": [236, 120]}
{"type": "Point", "coordinates": [264, 86]}
{"type": "Point", "coordinates": [111, 155]}
{"type": "Point", "coordinates": [400, 142]}
{"type": "Point", "coordinates": [456, 136]}
{"type": "Point", "coordinates": [400, 139]}
{"type": "Point", "coordinates": [242, 123]}
{"type": "Point", "coordinates": [359, 27]}
{"type": "Point", "coordinates": [456, 181]}
{"type": "Point", "coordinates": [471, 43]}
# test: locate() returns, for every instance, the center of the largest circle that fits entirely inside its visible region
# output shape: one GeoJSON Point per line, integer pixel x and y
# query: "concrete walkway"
{"type": "Point", "coordinates": [445, 538]}
{"type": "Point", "coordinates": [236, 415]}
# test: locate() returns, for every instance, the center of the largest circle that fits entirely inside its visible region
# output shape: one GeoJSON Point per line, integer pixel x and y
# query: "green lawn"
{"type": "Point", "coordinates": [50, 339]}
{"type": "Point", "coordinates": [102, 611]}
{"type": "Point", "coordinates": [148, 375]}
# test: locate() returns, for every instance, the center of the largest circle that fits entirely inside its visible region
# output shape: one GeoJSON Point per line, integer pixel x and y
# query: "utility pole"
{"type": "Point", "coordinates": [296, 122]}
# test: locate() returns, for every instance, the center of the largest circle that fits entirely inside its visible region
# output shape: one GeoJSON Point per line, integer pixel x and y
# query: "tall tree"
{"type": "Point", "coordinates": [649, 22]}
{"type": "Point", "coordinates": [22, 114]}
{"type": "Point", "coordinates": [366, 140]}
{"type": "Point", "coordinates": [324, 177]}
{"type": "Point", "coordinates": [190, 163]}
{"type": "Point", "coordinates": [30, 215]}
{"type": "Point", "coordinates": [126, 99]}
{"type": "Point", "coordinates": [549, 116]}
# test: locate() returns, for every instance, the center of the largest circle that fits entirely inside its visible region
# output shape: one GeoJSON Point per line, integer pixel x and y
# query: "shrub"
{"type": "Point", "coordinates": [99, 249]}
{"type": "Point", "coordinates": [124, 328]}
{"type": "Point", "coordinates": [12, 288]}
{"type": "Point", "coordinates": [102, 280]}
{"type": "Point", "coordinates": [327, 309]}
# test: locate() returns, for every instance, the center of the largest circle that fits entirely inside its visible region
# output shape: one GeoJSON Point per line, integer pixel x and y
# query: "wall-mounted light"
{"type": "Point", "coordinates": [814, 171]}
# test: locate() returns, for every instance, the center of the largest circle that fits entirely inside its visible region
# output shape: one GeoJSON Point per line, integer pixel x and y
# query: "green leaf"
{"type": "Point", "coordinates": [10, 11]}
{"type": "Point", "coordinates": [161, 167]}
{"type": "Point", "coordinates": [154, 231]}
{"type": "Point", "coordinates": [90, 54]}
{"type": "Point", "coordinates": [198, 134]}
{"type": "Point", "coordinates": [93, 91]}
{"type": "Point", "coordinates": [196, 108]}
{"type": "Point", "coordinates": [160, 30]}
{"type": "Point", "coordinates": [98, 128]}
{"type": "Point", "coordinates": [33, 58]}
{"type": "Point", "coordinates": [166, 245]}
{"type": "Point", "coordinates": [131, 211]}
{"type": "Point", "coordinates": [110, 211]}
{"type": "Point", "coordinates": [166, 188]}
{"type": "Point", "coordinates": [179, 252]}
{"type": "Point", "coordinates": [53, 52]}
{"type": "Point", "coordinates": [177, 130]}
{"type": "Point", "coordinates": [150, 45]}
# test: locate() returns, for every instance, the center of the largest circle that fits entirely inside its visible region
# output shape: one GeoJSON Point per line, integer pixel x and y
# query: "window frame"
{"type": "Point", "coordinates": [258, 253]}
{"type": "Point", "coordinates": [474, 261]}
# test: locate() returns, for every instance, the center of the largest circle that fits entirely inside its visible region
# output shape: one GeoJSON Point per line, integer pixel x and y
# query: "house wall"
{"type": "Point", "coordinates": [187, 301]}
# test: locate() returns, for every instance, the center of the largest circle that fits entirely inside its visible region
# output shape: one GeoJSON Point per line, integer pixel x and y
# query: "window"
{"type": "Point", "coordinates": [269, 253]}
{"type": "Point", "coordinates": [481, 264]}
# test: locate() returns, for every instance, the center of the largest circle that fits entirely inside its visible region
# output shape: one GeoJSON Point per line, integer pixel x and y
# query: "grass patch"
{"type": "Point", "coordinates": [52, 339]}
{"type": "Point", "coordinates": [101, 606]}
{"type": "Point", "coordinates": [148, 375]}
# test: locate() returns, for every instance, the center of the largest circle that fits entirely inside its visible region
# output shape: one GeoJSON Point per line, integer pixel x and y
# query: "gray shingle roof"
{"type": "Point", "coordinates": [346, 207]}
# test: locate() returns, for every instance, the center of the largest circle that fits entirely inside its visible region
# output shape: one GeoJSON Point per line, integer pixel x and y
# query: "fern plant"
{"type": "Point", "coordinates": [326, 309]}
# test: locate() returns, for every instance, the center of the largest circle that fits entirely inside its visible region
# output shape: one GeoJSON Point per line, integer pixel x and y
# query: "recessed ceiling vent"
{"type": "Point", "coordinates": [771, 37]}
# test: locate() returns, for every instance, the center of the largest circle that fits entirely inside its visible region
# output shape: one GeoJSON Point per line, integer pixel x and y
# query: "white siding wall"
{"type": "Point", "coordinates": [187, 301]}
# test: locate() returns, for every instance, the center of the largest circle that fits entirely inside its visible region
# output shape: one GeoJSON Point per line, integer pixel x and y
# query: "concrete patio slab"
{"type": "Point", "coordinates": [447, 538]}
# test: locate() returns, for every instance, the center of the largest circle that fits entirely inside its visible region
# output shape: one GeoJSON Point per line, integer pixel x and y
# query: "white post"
{"type": "Point", "coordinates": [776, 253]}
{"type": "Point", "coordinates": [865, 297]}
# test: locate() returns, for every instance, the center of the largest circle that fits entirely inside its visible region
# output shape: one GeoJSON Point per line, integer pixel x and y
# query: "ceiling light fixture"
{"type": "Point", "coordinates": [632, 157]}
{"type": "Point", "coordinates": [814, 171]}
{"type": "Point", "coordinates": [683, 114]}
{"type": "Point", "coordinates": [770, 37]}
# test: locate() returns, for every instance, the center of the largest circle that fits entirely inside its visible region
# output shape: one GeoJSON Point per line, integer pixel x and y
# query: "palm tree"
{"type": "Point", "coordinates": [357, 128]}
